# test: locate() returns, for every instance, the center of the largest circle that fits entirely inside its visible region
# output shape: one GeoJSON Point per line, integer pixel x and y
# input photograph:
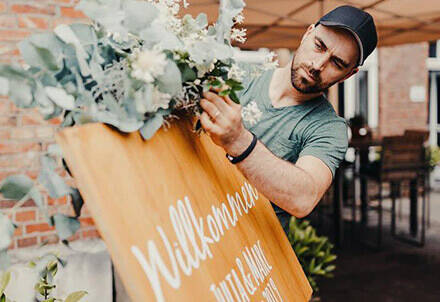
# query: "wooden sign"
{"type": "Point", "coordinates": [181, 223]}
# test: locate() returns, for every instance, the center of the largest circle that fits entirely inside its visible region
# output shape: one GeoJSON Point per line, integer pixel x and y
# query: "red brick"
{"type": "Point", "coordinates": [24, 242]}
{"type": "Point", "coordinates": [19, 147]}
{"type": "Point", "coordinates": [71, 12]}
{"type": "Point", "coordinates": [13, 35]}
{"type": "Point", "coordinates": [39, 227]}
{"type": "Point", "coordinates": [8, 21]}
{"type": "Point", "coordinates": [91, 234]}
{"type": "Point", "coordinates": [33, 9]}
{"type": "Point", "coordinates": [18, 231]}
{"type": "Point", "coordinates": [88, 221]}
{"type": "Point", "coordinates": [8, 121]}
{"type": "Point", "coordinates": [6, 204]}
{"type": "Point", "coordinates": [29, 203]}
{"type": "Point", "coordinates": [59, 201]}
{"type": "Point", "coordinates": [29, 215]}
{"type": "Point", "coordinates": [22, 133]}
{"type": "Point", "coordinates": [31, 119]}
{"type": "Point", "coordinates": [32, 22]}
{"type": "Point", "coordinates": [50, 239]}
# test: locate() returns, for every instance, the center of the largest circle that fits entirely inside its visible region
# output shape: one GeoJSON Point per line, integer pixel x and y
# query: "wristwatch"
{"type": "Point", "coordinates": [239, 158]}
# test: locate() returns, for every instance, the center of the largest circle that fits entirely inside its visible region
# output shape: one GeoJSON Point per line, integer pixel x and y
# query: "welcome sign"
{"type": "Point", "coordinates": [181, 223]}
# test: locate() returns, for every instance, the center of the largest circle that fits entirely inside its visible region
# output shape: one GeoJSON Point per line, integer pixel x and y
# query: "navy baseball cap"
{"type": "Point", "coordinates": [359, 23]}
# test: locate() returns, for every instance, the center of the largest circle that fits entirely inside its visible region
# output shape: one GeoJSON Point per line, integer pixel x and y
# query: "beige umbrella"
{"type": "Point", "coordinates": [281, 23]}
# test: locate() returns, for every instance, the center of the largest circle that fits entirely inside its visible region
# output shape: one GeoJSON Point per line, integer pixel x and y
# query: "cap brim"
{"type": "Point", "coordinates": [336, 24]}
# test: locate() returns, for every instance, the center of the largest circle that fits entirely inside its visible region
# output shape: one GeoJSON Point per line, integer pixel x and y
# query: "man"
{"type": "Point", "coordinates": [301, 140]}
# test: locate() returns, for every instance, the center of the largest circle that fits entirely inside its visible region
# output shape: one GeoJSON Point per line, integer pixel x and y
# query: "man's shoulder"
{"type": "Point", "coordinates": [323, 121]}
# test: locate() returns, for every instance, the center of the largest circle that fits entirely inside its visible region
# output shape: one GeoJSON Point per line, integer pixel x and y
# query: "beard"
{"type": "Point", "coordinates": [304, 85]}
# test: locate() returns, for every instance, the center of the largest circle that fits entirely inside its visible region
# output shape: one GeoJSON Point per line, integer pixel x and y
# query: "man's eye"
{"type": "Point", "coordinates": [337, 65]}
{"type": "Point", "coordinates": [318, 46]}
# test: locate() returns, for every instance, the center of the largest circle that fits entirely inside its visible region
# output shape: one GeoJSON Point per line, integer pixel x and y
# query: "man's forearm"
{"type": "Point", "coordinates": [283, 183]}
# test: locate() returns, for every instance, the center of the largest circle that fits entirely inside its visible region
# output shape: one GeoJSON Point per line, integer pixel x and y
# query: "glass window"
{"type": "Point", "coordinates": [361, 105]}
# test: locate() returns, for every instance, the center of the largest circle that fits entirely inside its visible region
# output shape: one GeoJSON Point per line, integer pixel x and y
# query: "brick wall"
{"type": "Point", "coordinates": [24, 135]}
{"type": "Point", "coordinates": [401, 67]}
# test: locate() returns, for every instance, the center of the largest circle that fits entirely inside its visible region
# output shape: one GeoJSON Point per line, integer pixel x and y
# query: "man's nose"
{"type": "Point", "coordinates": [320, 63]}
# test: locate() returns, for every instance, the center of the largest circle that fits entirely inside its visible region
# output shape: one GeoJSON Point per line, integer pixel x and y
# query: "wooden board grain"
{"type": "Point", "coordinates": [181, 223]}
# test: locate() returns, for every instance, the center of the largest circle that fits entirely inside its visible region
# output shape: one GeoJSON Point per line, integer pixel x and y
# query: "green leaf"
{"type": "Point", "coordinates": [77, 201]}
{"type": "Point", "coordinates": [330, 258]}
{"type": "Point", "coordinates": [139, 15]}
{"type": "Point", "coordinates": [54, 184]}
{"type": "Point", "coordinates": [21, 94]}
{"type": "Point", "coordinates": [66, 226]}
{"type": "Point", "coordinates": [16, 186]}
{"type": "Point", "coordinates": [151, 126]}
{"type": "Point", "coordinates": [6, 232]}
{"type": "Point", "coordinates": [171, 80]}
{"type": "Point", "coordinates": [4, 86]}
{"type": "Point", "coordinates": [60, 97]}
{"type": "Point", "coordinates": [76, 296]}
{"type": "Point", "coordinates": [4, 281]}
{"type": "Point", "coordinates": [43, 51]}
{"type": "Point", "coordinates": [188, 74]}
{"type": "Point", "coordinates": [4, 259]}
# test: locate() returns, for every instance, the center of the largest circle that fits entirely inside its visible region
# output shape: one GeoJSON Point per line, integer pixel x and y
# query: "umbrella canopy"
{"type": "Point", "coordinates": [281, 23]}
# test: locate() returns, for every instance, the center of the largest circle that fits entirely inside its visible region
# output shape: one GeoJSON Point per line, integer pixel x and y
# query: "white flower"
{"type": "Point", "coordinates": [239, 18]}
{"type": "Point", "coordinates": [117, 37]}
{"type": "Point", "coordinates": [236, 73]}
{"type": "Point", "coordinates": [160, 100]}
{"type": "Point", "coordinates": [251, 113]}
{"type": "Point", "coordinates": [148, 64]}
{"type": "Point", "coordinates": [269, 61]}
{"type": "Point", "coordinates": [202, 69]}
{"type": "Point", "coordinates": [238, 34]}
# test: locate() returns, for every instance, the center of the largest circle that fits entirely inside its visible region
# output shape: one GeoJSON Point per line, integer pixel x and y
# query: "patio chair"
{"type": "Point", "coordinates": [402, 159]}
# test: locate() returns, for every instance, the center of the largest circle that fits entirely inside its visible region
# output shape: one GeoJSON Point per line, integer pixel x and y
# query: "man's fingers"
{"type": "Point", "coordinates": [226, 97]}
{"type": "Point", "coordinates": [207, 124]}
{"type": "Point", "coordinates": [210, 109]}
{"type": "Point", "coordinates": [217, 100]}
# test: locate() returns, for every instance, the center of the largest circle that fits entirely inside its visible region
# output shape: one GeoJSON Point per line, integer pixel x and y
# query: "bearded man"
{"type": "Point", "coordinates": [291, 153]}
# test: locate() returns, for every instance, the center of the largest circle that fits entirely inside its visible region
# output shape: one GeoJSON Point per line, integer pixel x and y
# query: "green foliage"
{"type": "Point", "coordinates": [313, 252]}
{"type": "Point", "coordinates": [47, 267]}
{"type": "Point", "coordinates": [432, 156]}
{"type": "Point", "coordinates": [4, 281]}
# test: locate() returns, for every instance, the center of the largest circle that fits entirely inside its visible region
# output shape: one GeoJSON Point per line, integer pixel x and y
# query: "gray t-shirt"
{"type": "Point", "coordinates": [311, 128]}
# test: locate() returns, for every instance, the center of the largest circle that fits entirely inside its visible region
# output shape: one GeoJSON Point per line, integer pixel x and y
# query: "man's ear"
{"type": "Point", "coordinates": [354, 71]}
{"type": "Point", "coordinates": [308, 31]}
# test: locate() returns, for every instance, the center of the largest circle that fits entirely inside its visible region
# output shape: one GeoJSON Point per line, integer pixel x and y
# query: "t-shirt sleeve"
{"type": "Point", "coordinates": [328, 142]}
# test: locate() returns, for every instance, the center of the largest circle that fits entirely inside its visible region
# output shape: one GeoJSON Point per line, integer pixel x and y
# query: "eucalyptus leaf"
{"type": "Point", "coordinates": [60, 97]}
{"type": "Point", "coordinates": [54, 184]}
{"type": "Point", "coordinates": [21, 94]}
{"type": "Point", "coordinates": [66, 34]}
{"type": "Point", "coordinates": [4, 260]}
{"type": "Point", "coordinates": [6, 232]}
{"type": "Point", "coordinates": [171, 80]}
{"type": "Point", "coordinates": [66, 226]}
{"type": "Point", "coordinates": [151, 126]}
{"type": "Point", "coordinates": [4, 86]}
{"type": "Point", "coordinates": [76, 296]}
{"type": "Point", "coordinates": [4, 281]}
{"type": "Point", "coordinates": [16, 186]}
{"type": "Point", "coordinates": [138, 15]}
{"type": "Point", "coordinates": [43, 51]}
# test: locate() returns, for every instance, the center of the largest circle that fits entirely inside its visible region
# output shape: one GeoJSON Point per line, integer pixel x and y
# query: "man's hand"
{"type": "Point", "coordinates": [222, 121]}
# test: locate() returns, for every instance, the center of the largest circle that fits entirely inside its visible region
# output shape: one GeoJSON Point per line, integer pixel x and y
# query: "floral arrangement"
{"type": "Point", "coordinates": [133, 67]}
